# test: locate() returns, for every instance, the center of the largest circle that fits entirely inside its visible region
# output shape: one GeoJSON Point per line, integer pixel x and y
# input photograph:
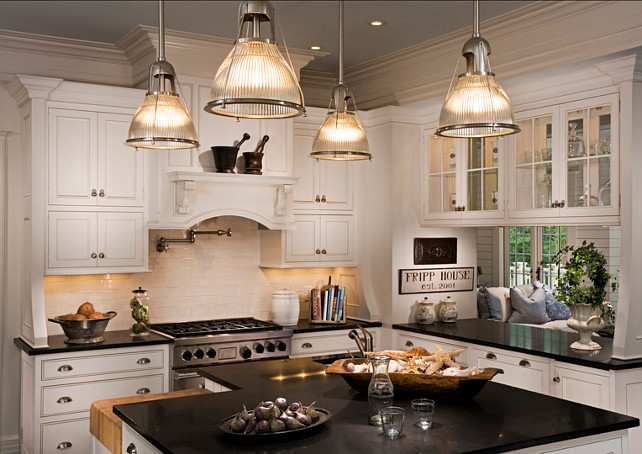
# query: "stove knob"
{"type": "Point", "coordinates": [246, 353]}
{"type": "Point", "coordinates": [269, 346]}
{"type": "Point", "coordinates": [281, 346]}
{"type": "Point", "coordinates": [186, 355]}
{"type": "Point", "coordinates": [198, 353]}
{"type": "Point", "coordinates": [258, 348]}
{"type": "Point", "coordinates": [211, 353]}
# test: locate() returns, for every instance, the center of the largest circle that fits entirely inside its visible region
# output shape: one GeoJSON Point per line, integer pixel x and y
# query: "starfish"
{"type": "Point", "coordinates": [440, 358]}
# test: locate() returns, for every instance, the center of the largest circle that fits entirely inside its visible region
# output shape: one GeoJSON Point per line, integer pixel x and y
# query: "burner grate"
{"type": "Point", "coordinates": [209, 327]}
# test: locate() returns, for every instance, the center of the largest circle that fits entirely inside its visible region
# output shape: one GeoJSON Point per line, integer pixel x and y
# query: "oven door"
{"type": "Point", "coordinates": [186, 379]}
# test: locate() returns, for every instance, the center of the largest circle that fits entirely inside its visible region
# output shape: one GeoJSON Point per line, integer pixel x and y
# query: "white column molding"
{"type": "Point", "coordinates": [3, 254]}
{"type": "Point", "coordinates": [183, 190]}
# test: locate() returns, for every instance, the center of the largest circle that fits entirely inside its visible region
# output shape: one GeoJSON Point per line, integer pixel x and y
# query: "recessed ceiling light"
{"type": "Point", "coordinates": [377, 23]}
{"type": "Point", "coordinates": [315, 47]}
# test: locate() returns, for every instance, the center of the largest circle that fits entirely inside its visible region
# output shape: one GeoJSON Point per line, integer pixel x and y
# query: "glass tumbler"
{"type": "Point", "coordinates": [392, 421]}
{"type": "Point", "coordinates": [423, 410]}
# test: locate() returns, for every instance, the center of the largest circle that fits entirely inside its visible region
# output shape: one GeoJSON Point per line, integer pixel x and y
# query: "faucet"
{"type": "Point", "coordinates": [364, 344]}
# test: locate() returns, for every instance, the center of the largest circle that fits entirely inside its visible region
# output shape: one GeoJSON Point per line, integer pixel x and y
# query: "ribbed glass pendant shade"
{"type": "Point", "coordinates": [255, 81]}
{"type": "Point", "coordinates": [341, 138]}
{"type": "Point", "coordinates": [162, 122]}
{"type": "Point", "coordinates": [476, 107]}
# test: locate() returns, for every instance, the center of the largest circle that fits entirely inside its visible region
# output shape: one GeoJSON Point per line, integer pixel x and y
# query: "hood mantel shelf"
{"type": "Point", "coordinates": [266, 199]}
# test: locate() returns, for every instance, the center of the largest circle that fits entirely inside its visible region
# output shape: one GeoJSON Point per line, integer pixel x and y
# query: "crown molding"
{"type": "Point", "coordinates": [24, 88]}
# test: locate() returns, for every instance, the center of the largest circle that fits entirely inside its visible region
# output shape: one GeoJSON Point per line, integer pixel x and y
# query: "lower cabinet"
{"type": "Point", "coordinates": [582, 385]}
{"type": "Point", "coordinates": [135, 444]}
{"type": "Point", "coordinates": [58, 389]}
{"type": "Point", "coordinates": [328, 343]}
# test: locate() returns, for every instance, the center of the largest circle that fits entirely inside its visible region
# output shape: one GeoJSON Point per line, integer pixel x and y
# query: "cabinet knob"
{"type": "Point", "coordinates": [491, 356]}
{"type": "Point", "coordinates": [101, 255]}
{"type": "Point", "coordinates": [463, 208]}
{"type": "Point", "coordinates": [94, 255]}
{"type": "Point", "coordinates": [101, 193]}
{"type": "Point", "coordinates": [144, 361]}
{"type": "Point", "coordinates": [323, 199]}
{"type": "Point", "coordinates": [64, 400]}
{"type": "Point", "coordinates": [94, 193]}
{"type": "Point", "coordinates": [525, 363]}
{"type": "Point", "coordinates": [131, 449]}
{"type": "Point", "coordinates": [143, 391]}
{"type": "Point", "coordinates": [409, 343]}
{"type": "Point", "coordinates": [64, 445]}
{"type": "Point", "coordinates": [562, 203]}
{"type": "Point", "coordinates": [323, 251]}
{"type": "Point", "coordinates": [317, 199]}
{"type": "Point", "coordinates": [556, 204]}
{"type": "Point", "coordinates": [65, 368]}
{"type": "Point", "coordinates": [556, 379]}
{"type": "Point", "coordinates": [318, 251]}
{"type": "Point", "coordinates": [306, 345]}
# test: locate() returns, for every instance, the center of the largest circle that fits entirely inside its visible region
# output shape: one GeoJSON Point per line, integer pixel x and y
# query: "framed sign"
{"type": "Point", "coordinates": [435, 251]}
{"type": "Point", "coordinates": [433, 280]}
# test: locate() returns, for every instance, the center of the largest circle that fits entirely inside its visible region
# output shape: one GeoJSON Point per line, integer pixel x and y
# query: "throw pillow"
{"type": "Point", "coordinates": [495, 306]}
{"type": "Point", "coordinates": [528, 309]}
{"type": "Point", "coordinates": [555, 309]}
{"type": "Point", "coordinates": [482, 305]}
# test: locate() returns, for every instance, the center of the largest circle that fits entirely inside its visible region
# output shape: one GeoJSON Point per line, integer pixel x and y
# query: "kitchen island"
{"type": "Point", "coordinates": [499, 419]}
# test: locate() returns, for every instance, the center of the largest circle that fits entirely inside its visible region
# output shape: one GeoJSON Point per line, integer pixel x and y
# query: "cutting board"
{"type": "Point", "coordinates": [108, 428]}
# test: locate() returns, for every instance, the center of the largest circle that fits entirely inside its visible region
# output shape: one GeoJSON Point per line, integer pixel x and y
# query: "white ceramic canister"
{"type": "Point", "coordinates": [285, 307]}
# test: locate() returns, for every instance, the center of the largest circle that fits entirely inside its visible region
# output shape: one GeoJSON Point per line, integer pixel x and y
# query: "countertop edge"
{"type": "Point", "coordinates": [307, 327]}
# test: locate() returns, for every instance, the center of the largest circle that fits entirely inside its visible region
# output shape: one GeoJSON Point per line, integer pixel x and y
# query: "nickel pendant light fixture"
{"type": "Point", "coordinates": [254, 80]}
{"type": "Point", "coordinates": [476, 106]}
{"type": "Point", "coordinates": [341, 136]}
{"type": "Point", "coordinates": [162, 121]}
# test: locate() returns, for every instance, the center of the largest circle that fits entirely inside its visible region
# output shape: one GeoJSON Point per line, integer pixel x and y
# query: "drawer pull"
{"type": "Point", "coordinates": [144, 361]}
{"type": "Point", "coordinates": [65, 368]}
{"type": "Point", "coordinates": [491, 356]}
{"type": "Point", "coordinates": [556, 379]}
{"type": "Point", "coordinates": [409, 343]}
{"type": "Point", "coordinates": [525, 363]}
{"type": "Point", "coordinates": [64, 400]}
{"type": "Point", "coordinates": [306, 345]}
{"type": "Point", "coordinates": [143, 391]}
{"type": "Point", "coordinates": [131, 449]}
{"type": "Point", "coordinates": [64, 445]}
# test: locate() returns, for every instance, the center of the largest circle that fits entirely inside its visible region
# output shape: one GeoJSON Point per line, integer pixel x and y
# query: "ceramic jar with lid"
{"type": "Point", "coordinates": [425, 314]}
{"type": "Point", "coordinates": [447, 310]}
{"type": "Point", "coordinates": [139, 304]}
{"type": "Point", "coordinates": [285, 307]}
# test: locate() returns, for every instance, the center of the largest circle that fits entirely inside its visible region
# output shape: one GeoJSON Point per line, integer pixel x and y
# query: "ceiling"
{"type": "Point", "coordinates": [304, 23]}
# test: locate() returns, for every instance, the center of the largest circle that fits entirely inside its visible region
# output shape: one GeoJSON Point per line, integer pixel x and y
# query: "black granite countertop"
{"type": "Point", "coordinates": [304, 326]}
{"type": "Point", "coordinates": [113, 339]}
{"type": "Point", "coordinates": [499, 419]}
{"type": "Point", "coordinates": [549, 343]}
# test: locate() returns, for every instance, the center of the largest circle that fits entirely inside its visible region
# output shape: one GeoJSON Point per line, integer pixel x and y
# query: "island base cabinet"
{"type": "Point", "coordinates": [135, 444]}
{"type": "Point", "coordinates": [609, 443]}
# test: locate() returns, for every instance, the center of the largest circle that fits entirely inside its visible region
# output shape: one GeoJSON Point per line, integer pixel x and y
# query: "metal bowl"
{"type": "Point", "coordinates": [88, 331]}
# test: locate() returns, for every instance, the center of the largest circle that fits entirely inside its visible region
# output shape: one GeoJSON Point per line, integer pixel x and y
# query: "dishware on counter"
{"type": "Point", "coordinates": [252, 159]}
{"type": "Point", "coordinates": [139, 304]}
{"type": "Point", "coordinates": [84, 331]}
{"type": "Point", "coordinates": [225, 156]}
{"type": "Point", "coordinates": [425, 314]}
{"type": "Point", "coordinates": [380, 389]}
{"type": "Point", "coordinates": [285, 307]}
{"type": "Point", "coordinates": [392, 421]}
{"type": "Point", "coordinates": [423, 410]}
{"type": "Point", "coordinates": [447, 310]}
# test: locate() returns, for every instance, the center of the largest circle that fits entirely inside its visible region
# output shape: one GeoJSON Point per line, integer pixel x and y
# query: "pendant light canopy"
{"type": "Point", "coordinates": [162, 121]}
{"type": "Point", "coordinates": [254, 80]}
{"type": "Point", "coordinates": [341, 136]}
{"type": "Point", "coordinates": [476, 106]}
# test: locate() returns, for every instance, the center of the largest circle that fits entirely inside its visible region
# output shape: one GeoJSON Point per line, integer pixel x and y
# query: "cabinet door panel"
{"type": "Point", "coordinates": [120, 239]}
{"type": "Point", "coordinates": [581, 385]}
{"type": "Point", "coordinates": [120, 167]}
{"type": "Point", "coordinates": [337, 238]}
{"type": "Point", "coordinates": [304, 167]}
{"type": "Point", "coordinates": [72, 239]}
{"type": "Point", "coordinates": [302, 243]}
{"type": "Point", "coordinates": [279, 148]}
{"type": "Point", "coordinates": [72, 157]}
{"type": "Point", "coordinates": [67, 436]}
{"type": "Point", "coordinates": [336, 185]}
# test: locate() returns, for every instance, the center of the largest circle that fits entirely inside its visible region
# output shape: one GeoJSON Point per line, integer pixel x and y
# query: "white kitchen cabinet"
{"type": "Point", "coordinates": [580, 384]}
{"type": "Point", "coordinates": [564, 163]}
{"type": "Point", "coordinates": [133, 443]}
{"type": "Point", "coordinates": [81, 240]}
{"type": "Point", "coordinates": [407, 341]}
{"type": "Point", "coordinates": [89, 164]}
{"type": "Point", "coordinates": [327, 343]}
{"type": "Point", "coordinates": [58, 390]}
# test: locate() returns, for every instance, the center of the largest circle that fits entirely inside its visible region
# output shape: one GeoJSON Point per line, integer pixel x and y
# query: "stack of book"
{"type": "Point", "coordinates": [328, 304]}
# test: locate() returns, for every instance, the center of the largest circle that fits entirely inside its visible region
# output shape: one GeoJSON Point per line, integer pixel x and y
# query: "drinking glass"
{"type": "Point", "coordinates": [423, 411]}
{"type": "Point", "coordinates": [392, 421]}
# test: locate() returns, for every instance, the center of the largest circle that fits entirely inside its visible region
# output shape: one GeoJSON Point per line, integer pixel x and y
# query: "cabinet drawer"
{"type": "Point", "coordinates": [521, 371]}
{"type": "Point", "coordinates": [102, 364]}
{"type": "Point", "coordinates": [406, 342]}
{"type": "Point", "coordinates": [70, 437]}
{"type": "Point", "coordinates": [63, 399]}
{"type": "Point", "coordinates": [133, 442]}
{"type": "Point", "coordinates": [325, 344]}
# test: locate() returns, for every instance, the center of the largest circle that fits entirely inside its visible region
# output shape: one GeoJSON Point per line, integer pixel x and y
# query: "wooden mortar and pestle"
{"type": "Point", "coordinates": [253, 159]}
{"type": "Point", "coordinates": [225, 157]}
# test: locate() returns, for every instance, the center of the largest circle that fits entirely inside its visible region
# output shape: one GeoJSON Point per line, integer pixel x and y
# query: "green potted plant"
{"type": "Point", "coordinates": [582, 286]}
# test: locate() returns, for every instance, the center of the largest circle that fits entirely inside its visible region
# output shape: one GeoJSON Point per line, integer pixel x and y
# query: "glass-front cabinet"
{"type": "Point", "coordinates": [564, 163]}
{"type": "Point", "coordinates": [462, 178]}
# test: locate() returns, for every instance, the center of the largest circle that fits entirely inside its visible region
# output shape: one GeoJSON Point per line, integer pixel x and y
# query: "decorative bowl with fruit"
{"type": "Point", "coordinates": [86, 326]}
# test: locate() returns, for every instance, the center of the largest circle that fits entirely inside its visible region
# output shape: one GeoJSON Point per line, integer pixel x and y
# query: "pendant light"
{"type": "Point", "coordinates": [477, 106]}
{"type": "Point", "coordinates": [341, 136]}
{"type": "Point", "coordinates": [162, 121]}
{"type": "Point", "coordinates": [254, 80]}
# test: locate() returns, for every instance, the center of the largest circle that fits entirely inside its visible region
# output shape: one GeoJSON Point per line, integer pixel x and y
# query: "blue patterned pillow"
{"type": "Point", "coordinates": [528, 309]}
{"type": "Point", "coordinates": [482, 305]}
{"type": "Point", "coordinates": [555, 309]}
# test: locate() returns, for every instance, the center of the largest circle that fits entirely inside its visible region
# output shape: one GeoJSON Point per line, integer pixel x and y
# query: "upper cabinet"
{"type": "Point", "coordinates": [89, 164]}
{"type": "Point", "coordinates": [564, 163]}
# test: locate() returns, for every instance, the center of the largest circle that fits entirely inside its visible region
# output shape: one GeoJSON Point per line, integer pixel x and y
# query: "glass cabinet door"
{"type": "Point", "coordinates": [588, 157]}
{"type": "Point", "coordinates": [482, 169]}
{"type": "Point", "coordinates": [442, 174]}
{"type": "Point", "coordinates": [534, 163]}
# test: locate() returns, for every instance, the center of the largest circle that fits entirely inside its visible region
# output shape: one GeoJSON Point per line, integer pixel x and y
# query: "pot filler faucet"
{"type": "Point", "coordinates": [364, 343]}
{"type": "Point", "coordinates": [162, 246]}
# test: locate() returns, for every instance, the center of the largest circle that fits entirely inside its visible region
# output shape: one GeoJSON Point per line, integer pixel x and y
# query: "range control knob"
{"type": "Point", "coordinates": [258, 348]}
{"type": "Point", "coordinates": [281, 346]}
{"type": "Point", "coordinates": [269, 346]}
{"type": "Point", "coordinates": [211, 353]}
{"type": "Point", "coordinates": [186, 355]}
{"type": "Point", "coordinates": [199, 354]}
{"type": "Point", "coordinates": [246, 353]}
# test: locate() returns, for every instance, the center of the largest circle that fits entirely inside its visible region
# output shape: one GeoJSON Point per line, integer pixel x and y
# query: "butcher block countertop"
{"type": "Point", "coordinates": [107, 427]}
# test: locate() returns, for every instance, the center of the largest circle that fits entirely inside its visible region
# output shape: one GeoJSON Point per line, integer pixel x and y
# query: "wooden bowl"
{"type": "Point", "coordinates": [437, 387]}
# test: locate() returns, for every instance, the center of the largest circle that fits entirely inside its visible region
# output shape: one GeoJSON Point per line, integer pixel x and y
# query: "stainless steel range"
{"type": "Point", "coordinates": [210, 342]}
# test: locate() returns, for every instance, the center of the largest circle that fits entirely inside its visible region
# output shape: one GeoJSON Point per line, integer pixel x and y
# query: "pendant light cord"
{"type": "Point", "coordinates": [161, 30]}
{"type": "Point", "coordinates": [340, 42]}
